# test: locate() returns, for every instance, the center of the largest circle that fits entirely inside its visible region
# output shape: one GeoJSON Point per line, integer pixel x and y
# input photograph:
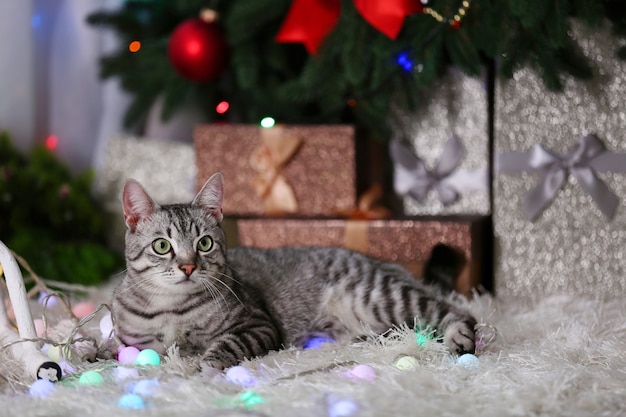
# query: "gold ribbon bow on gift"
{"type": "Point", "coordinates": [358, 220]}
{"type": "Point", "coordinates": [268, 159]}
{"type": "Point", "coordinates": [368, 206]}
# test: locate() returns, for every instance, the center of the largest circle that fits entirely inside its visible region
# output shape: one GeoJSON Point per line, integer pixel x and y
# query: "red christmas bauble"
{"type": "Point", "coordinates": [198, 50]}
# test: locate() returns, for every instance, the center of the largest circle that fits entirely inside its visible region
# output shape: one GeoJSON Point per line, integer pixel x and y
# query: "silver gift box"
{"type": "Point", "coordinates": [559, 194]}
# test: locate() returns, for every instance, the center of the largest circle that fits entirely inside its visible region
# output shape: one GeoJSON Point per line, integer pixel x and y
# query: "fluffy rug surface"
{"type": "Point", "coordinates": [552, 356]}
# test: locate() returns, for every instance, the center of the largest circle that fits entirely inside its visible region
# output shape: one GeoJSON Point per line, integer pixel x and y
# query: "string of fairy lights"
{"type": "Point", "coordinates": [455, 20]}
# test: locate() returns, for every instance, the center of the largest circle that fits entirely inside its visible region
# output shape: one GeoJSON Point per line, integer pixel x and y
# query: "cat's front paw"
{"type": "Point", "coordinates": [218, 360]}
{"type": "Point", "coordinates": [460, 337]}
{"type": "Point", "coordinates": [216, 363]}
{"type": "Point", "coordinates": [208, 371]}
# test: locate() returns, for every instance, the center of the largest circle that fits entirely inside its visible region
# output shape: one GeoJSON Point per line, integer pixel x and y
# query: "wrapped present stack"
{"type": "Point", "coordinates": [560, 183]}
{"type": "Point", "coordinates": [295, 185]}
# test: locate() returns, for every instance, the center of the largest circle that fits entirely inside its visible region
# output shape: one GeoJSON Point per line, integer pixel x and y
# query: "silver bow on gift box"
{"type": "Point", "coordinates": [586, 158]}
{"type": "Point", "coordinates": [413, 178]}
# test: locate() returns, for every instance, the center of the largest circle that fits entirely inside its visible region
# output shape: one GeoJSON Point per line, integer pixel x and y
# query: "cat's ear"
{"type": "Point", "coordinates": [211, 196]}
{"type": "Point", "coordinates": [136, 203]}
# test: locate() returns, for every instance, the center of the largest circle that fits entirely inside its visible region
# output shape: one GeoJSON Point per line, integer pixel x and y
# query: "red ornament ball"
{"type": "Point", "coordinates": [198, 50]}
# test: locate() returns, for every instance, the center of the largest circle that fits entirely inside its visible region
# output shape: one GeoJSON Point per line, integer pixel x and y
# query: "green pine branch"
{"type": "Point", "coordinates": [49, 217]}
{"type": "Point", "coordinates": [355, 62]}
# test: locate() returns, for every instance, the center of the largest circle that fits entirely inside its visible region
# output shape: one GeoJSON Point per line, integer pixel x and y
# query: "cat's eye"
{"type": "Point", "coordinates": [205, 244]}
{"type": "Point", "coordinates": [161, 246]}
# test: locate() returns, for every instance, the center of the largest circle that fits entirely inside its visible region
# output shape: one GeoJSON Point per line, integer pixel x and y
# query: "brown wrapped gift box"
{"type": "Point", "coordinates": [408, 242]}
{"type": "Point", "coordinates": [304, 170]}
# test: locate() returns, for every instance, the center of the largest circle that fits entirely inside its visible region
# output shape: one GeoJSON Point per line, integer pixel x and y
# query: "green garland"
{"type": "Point", "coordinates": [356, 64]}
{"type": "Point", "coordinates": [48, 217]}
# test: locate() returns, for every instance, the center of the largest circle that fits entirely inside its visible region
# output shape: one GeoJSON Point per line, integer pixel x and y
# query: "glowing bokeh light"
{"type": "Point", "coordinates": [52, 142]}
{"type": "Point", "coordinates": [404, 61]}
{"type": "Point", "coordinates": [134, 46]}
{"type": "Point", "coordinates": [316, 342]}
{"type": "Point", "coordinates": [35, 20]}
{"type": "Point", "coordinates": [268, 122]}
{"type": "Point", "coordinates": [222, 107]}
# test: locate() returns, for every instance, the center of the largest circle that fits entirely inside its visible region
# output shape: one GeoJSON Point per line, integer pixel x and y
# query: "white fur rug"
{"type": "Point", "coordinates": [553, 356]}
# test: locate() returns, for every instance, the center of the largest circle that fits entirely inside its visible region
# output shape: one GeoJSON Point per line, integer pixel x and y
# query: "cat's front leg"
{"type": "Point", "coordinates": [459, 332]}
{"type": "Point", "coordinates": [241, 342]}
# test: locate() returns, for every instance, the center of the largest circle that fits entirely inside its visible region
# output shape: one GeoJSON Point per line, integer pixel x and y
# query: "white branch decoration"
{"type": "Point", "coordinates": [24, 346]}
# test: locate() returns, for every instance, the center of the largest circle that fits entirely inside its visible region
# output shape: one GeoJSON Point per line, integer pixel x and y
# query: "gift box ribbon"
{"type": "Point", "coordinates": [356, 235]}
{"type": "Point", "coordinates": [310, 21]}
{"type": "Point", "coordinates": [358, 220]}
{"type": "Point", "coordinates": [368, 206]}
{"type": "Point", "coordinates": [412, 177]}
{"type": "Point", "coordinates": [275, 150]}
{"type": "Point", "coordinates": [582, 161]}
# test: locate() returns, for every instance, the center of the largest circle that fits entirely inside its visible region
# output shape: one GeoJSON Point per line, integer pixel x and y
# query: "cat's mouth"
{"type": "Point", "coordinates": [185, 281]}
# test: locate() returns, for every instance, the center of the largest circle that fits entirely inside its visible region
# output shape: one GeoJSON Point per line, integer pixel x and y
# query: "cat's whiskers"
{"type": "Point", "coordinates": [132, 285]}
{"type": "Point", "coordinates": [121, 274]}
{"type": "Point", "coordinates": [208, 281]}
{"type": "Point", "coordinates": [156, 292]}
{"type": "Point", "coordinates": [142, 282]}
{"type": "Point", "coordinates": [212, 290]}
{"type": "Point", "coordinates": [228, 288]}
{"type": "Point", "coordinates": [231, 276]}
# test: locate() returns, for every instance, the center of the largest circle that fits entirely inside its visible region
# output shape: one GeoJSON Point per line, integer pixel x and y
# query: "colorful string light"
{"type": "Point", "coordinates": [52, 142]}
{"type": "Point", "coordinates": [404, 61]}
{"type": "Point", "coordinates": [455, 20]}
{"type": "Point", "coordinates": [134, 46]}
{"type": "Point", "coordinates": [222, 107]}
{"type": "Point", "coordinates": [268, 122]}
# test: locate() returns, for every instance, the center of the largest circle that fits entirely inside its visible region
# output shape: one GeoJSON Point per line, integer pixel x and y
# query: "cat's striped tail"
{"type": "Point", "coordinates": [443, 267]}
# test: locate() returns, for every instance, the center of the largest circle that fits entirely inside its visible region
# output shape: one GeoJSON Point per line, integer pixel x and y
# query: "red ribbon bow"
{"type": "Point", "coordinates": [310, 21]}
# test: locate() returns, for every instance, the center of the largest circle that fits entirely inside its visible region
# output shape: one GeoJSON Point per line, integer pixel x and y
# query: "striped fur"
{"type": "Point", "coordinates": [228, 305]}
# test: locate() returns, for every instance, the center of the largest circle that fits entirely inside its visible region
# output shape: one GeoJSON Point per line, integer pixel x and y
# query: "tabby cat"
{"type": "Point", "coordinates": [183, 287]}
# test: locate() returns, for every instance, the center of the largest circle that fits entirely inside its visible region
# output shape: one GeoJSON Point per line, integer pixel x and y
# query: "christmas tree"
{"type": "Point", "coordinates": [331, 61]}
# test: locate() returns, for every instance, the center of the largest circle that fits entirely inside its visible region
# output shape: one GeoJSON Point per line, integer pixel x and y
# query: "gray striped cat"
{"type": "Point", "coordinates": [183, 287]}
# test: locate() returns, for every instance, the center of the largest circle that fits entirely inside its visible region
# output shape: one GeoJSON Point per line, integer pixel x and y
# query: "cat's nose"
{"type": "Point", "coordinates": [188, 268]}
